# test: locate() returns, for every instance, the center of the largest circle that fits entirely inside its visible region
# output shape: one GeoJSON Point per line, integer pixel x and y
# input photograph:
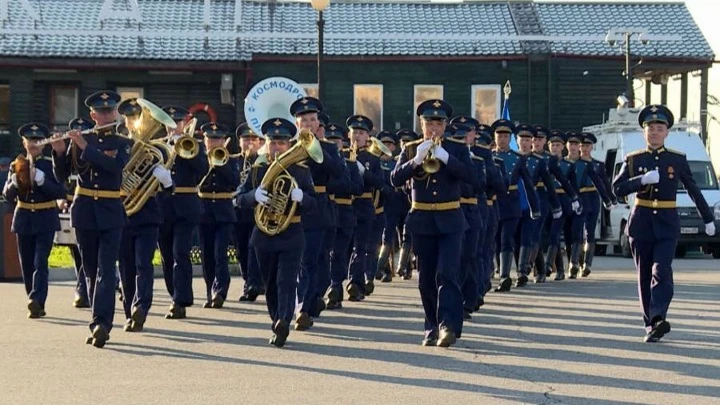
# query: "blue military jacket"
{"type": "Point", "coordinates": [397, 203]}
{"type": "Point", "coordinates": [566, 168]}
{"type": "Point", "coordinates": [588, 180]}
{"type": "Point", "coordinates": [538, 170]}
{"type": "Point", "coordinates": [372, 180]}
{"type": "Point", "coordinates": [560, 181]}
{"type": "Point", "coordinates": [99, 168]}
{"type": "Point", "coordinates": [293, 237]}
{"type": "Point", "coordinates": [183, 203]}
{"type": "Point", "coordinates": [654, 215]}
{"type": "Point", "coordinates": [473, 193]}
{"type": "Point", "coordinates": [216, 190]}
{"type": "Point", "coordinates": [599, 168]}
{"type": "Point", "coordinates": [246, 215]}
{"type": "Point", "coordinates": [29, 218]}
{"type": "Point", "coordinates": [343, 193]}
{"type": "Point", "coordinates": [509, 203]}
{"type": "Point", "coordinates": [435, 206]}
{"type": "Point", "coordinates": [494, 177]}
{"type": "Point", "coordinates": [324, 217]}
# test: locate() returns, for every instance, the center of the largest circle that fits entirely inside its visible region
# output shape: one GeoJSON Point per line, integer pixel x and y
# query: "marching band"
{"type": "Point", "coordinates": [321, 209]}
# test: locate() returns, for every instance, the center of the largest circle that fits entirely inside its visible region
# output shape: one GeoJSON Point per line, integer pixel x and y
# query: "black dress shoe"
{"type": "Point", "coordinates": [176, 312]}
{"type": "Point", "coordinates": [99, 336]}
{"type": "Point", "coordinates": [354, 292]}
{"type": "Point", "coordinates": [217, 302]}
{"type": "Point", "coordinates": [386, 278]}
{"type": "Point", "coordinates": [281, 330]}
{"type": "Point", "coordinates": [559, 276]}
{"type": "Point", "coordinates": [303, 321]}
{"type": "Point", "coordinates": [207, 305]}
{"type": "Point", "coordinates": [505, 285]}
{"type": "Point", "coordinates": [34, 310]}
{"type": "Point", "coordinates": [319, 306]}
{"type": "Point", "coordinates": [466, 315]}
{"type": "Point", "coordinates": [128, 326]}
{"type": "Point", "coordinates": [138, 317]}
{"type": "Point", "coordinates": [81, 302]}
{"type": "Point", "coordinates": [250, 295]}
{"type": "Point", "coordinates": [407, 275]}
{"type": "Point", "coordinates": [369, 287]}
{"type": "Point", "coordinates": [586, 272]}
{"type": "Point", "coordinates": [447, 337]}
{"type": "Point", "coordinates": [480, 302]}
{"type": "Point", "coordinates": [333, 305]}
{"type": "Point", "coordinates": [430, 339]}
{"type": "Point", "coordinates": [521, 281]}
{"type": "Point", "coordinates": [378, 275]}
{"type": "Point", "coordinates": [660, 329]}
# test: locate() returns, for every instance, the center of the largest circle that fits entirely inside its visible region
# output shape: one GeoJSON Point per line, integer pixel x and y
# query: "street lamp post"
{"type": "Point", "coordinates": [320, 6]}
{"type": "Point", "coordinates": [625, 37]}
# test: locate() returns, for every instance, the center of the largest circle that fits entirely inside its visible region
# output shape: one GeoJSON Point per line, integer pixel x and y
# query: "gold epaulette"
{"type": "Point", "coordinates": [675, 151]}
{"type": "Point", "coordinates": [326, 141]}
{"type": "Point", "coordinates": [476, 157]}
{"type": "Point", "coordinates": [479, 145]}
{"type": "Point", "coordinates": [462, 141]}
{"type": "Point", "coordinates": [635, 153]}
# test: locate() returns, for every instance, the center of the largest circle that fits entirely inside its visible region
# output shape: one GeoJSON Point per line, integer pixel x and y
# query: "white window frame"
{"type": "Point", "coordinates": [307, 86]}
{"type": "Point", "coordinates": [498, 98]}
{"type": "Point", "coordinates": [416, 120]}
{"type": "Point", "coordinates": [130, 89]}
{"type": "Point", "coordinates": [54, 86]}
{"type": "Point", "coordinates": [377, 126]}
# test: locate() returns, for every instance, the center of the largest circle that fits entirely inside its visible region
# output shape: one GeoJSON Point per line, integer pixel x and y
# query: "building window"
{"type": "Point", "coordinates": [485, 103]}
{"type": "Point", "coordinates": [130, 92]}
{"type": "Point", "coordinates": [4, 107]}
{"type": "Point", "coordinates": [424, 92]}
{"type": "Point", "coordinates": [369, 102]}
{"type": "Point", "coordinates": [311, 89]}
{"type": "Point", "coordinates": [63, 105]}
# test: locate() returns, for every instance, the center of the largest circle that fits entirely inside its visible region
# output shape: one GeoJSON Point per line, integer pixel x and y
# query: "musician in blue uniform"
{"type": "Point", "coordinates": [470, 196]}
{"type": "Point", "coordinates": [82, 300]}
{"type": "Point", "coordinates": [373, 272]}
{"type": "Point", "coordinates": [654, 174]}
{"type": "Point", "coordinates": [589, 184]}
{"type": "Point", "coordinates": [511, 203]}
{"type": "Point", "coordinates": [360, 127]}
{"type": "Point", "coordinates": [395, 209]}
{"type": "Point", "coordinates": [97, 211]}
{"type": "Point", "coordinates": [399, 208]}
{"type": "Point", "coordinates": [306, 112]}
{"type": "Point", "coordinates": [181, 210]}
{"type": "Point", "coordinates": [343, 193]}
{"type": "Point", "coordinates": [35, 221]}
{"type": "Point", "coordinates": [562, 187]}
{"type": "Point", "coordinates": [279, 255]}
{"type": "Point", "coordinates": [249, 270]}
{"type": "Point", "coordinates": [216, 223]}
{"type": "Point", "coordinates": [529, 228]}
{"type": "Point", "coordinates": [139, 238]}
{"type": "Point", "coordinates": [436, 220]}
{"type": "Point", "coordinates": [593, 199]}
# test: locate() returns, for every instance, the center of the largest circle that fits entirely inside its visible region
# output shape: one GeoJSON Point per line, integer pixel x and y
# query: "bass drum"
{"type": "Point", "coordinates": [271, 98]}
{"type": "Point", "coordinates": [66, 235]}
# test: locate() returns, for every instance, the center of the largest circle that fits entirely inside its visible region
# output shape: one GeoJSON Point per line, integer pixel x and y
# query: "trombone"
{"type": "Point", "coordinates": [186, 146]}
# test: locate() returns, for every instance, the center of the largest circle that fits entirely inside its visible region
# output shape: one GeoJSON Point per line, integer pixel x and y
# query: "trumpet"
{"type": "Point", "coordinates": [187, 147]}
{"type": "Point", "coordinates": [66, 135]}
{"type": "Point", "coordinates": [431, 164]}
{"type": "Point", "coordinates": [219, 156]}
{"type": "Point", "coordinates": [352, 156]}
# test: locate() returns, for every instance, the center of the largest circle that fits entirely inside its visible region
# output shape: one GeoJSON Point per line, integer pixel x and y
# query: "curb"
{"type": "Point", "coordinates": [57, 274]}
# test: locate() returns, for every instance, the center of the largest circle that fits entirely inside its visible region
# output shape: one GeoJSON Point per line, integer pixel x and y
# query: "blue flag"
{"type": "Point", "coordinates": [514, 146]}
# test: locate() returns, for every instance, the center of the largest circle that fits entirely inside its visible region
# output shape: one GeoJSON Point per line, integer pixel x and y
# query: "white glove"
{"type": "Point", "coordinates": [296, 195]}
{"type": "Point", "coordinates": [163, 175]}
{"type": "Point", "coordinates": [361, 168]}
{"type": "Point", "coordinates": [575, 205]}
{"type": "Point", "coordinates": [442, 154]}
{"type": "Point", "coordinates": [13, 179]}
{"type": "Point", "coordinates": [261, 196]}
{"type": "Point", "coordinates": [651, 177]}
{"type": "Point", "coordinates": [557, 215]}
{"type": "Point", "coordinates": [710, 229]}
{"type": "Point", "coordinates": [534, 215]}
{"type": "Point", "coordinates": [39, 177]}
{"type": "Point", "coordinates": [422, 151]}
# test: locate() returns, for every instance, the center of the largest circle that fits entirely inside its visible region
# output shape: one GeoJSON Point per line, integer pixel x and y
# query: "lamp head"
{"type": "Point", "coordinates": [320, 5]}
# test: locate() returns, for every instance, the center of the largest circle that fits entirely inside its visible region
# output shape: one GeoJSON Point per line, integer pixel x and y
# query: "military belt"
{"type": "Point", "coordinates": [666, 204]}
{"type": "Point", "coordinates": [94, 193]}
{"type": "Point", "coordinates": [490, 202]}
{"type": "Point", "coordinates": [36, 206]}
{"type": "Point", "coordinates": [69, 197]}
{"type": "Point", "coordinates": [379, 210]}
{"type": "Point", "coordinates": [296, 219]}
{"type": "Point", "coordinates": [343, 201]}
{"type": "Point", "coordinates": [215, 196]}
{"type": "Point", "coordinates": [560, 191]}
{"type": "Point", "coordinates": [321, 189]}
{"type": "Point", "coordinates": [588, 189]}
{"type": "Point", "coordinates": [540, 184]}
{"type": "Point", "coordinates": [512, 187]}
{"type": "Point", "coordinates": [443, 206]}
{"type": "Point", "coordinates": [365, 195]}
{"type": "Point", "coordinates": [185, 190]}
{"type": "Point", "coordinates": [469, 201]}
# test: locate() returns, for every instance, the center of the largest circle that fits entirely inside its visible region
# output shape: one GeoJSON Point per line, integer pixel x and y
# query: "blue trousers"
{"type": "Point", "coordinates": [81, 284]}
{"type": "Point", "coordinates": [376, 236]}
{"type": "Point", "coordinates": [324, 266]}
{"type": "Point", "coordinates": [341, 256]}
{"type": "Point", "coordinates": [99, 251]}
{"type": "Point", "coordinates": [214, 239]}
{"type": "Point", "coordinates": [486, 250]}
{"type": "Point", "coordinates": [438, 259]}
{"type": "Point", "coordinates": [528, 228]}
{"type": "Point", "coordinates": [137, 248]}
{"type": "Point", "coordinates": [34, 251]}
{"type": "Point", "coordinates": [175, 241]}
{"type": "Point", "coordinates": [653, 261]}
{"type": "Point", "coordinates": [308, 285]}
{"type": "Point", "coordinates": [591, 204]}
{"type": "Point", "coordinates": [359, 259]}
{"type": "Point", "coordinates": [577, 225]}
{"type": "Point", "coordinates": [280, 272]}
{"type": "Point", "coordinates": [557, 225]}
{"type": "Point", "coordinates": [469, 264]}
{"type": "Point", "coordinates": [244, 254]}
{"type": "Point", "coordinates": [393, 228]}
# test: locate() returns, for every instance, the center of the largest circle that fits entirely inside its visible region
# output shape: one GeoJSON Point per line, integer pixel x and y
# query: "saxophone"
{"type": "Point", "coordinates": [274, 217]}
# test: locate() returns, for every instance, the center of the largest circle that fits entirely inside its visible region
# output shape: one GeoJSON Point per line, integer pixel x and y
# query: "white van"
{"type": "Point", "coordinates": [621, 135]}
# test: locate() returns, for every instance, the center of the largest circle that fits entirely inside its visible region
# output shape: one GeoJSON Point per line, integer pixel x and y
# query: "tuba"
{"type": "Point", "coordinates": [138, 182]}
{"type": "Point", "coordinates": [274, 217]}
{"type": "Point", "coordinates": [378, 148]}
